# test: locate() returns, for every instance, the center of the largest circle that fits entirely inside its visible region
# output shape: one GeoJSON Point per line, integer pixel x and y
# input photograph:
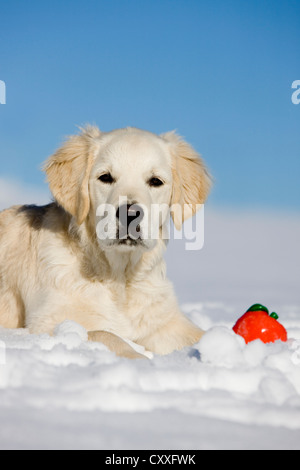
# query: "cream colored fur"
{"type": "Point", "coordinates": [53, 267]}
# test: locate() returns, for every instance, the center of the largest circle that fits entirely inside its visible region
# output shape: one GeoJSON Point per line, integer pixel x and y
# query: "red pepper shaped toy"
{"type": "Point", "coordinates": [257, 323]}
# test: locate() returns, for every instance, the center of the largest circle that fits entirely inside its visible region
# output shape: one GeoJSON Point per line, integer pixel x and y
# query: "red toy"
{"type": "Point", "coordinates": [258, 324]}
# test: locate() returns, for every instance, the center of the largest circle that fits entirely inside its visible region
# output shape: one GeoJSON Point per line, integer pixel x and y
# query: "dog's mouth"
{"type": "Point", "coordinates": [128, 244]}
{"type": "Point", "coordinates": [129, 241]}
{"type": "Point", "coordinates": [129, 238]}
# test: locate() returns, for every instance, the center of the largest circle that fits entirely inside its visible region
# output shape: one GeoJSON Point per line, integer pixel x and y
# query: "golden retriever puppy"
{"type": "Point", "coordinates": [95, 255]}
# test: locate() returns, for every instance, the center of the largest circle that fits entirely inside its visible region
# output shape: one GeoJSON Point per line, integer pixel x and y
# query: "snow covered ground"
{"type": "Point", "coordinates": [63, 392]}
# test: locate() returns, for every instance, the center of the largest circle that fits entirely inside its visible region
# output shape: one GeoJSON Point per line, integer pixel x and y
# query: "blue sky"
{"type": "Point", "coordinates": [220, 72]}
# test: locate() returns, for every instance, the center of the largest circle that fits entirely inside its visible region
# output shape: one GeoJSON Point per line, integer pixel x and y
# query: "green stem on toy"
{"type": "Point", "coordinates": [257, 307]}
{"type": "Point", "coordinates": [274, 315]}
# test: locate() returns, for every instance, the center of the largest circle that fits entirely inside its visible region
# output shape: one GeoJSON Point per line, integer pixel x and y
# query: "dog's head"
{"type": "Point", "coordinates": [124, 183]}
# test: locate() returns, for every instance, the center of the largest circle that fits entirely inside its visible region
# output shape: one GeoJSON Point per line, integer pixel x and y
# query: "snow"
{"type": "Point", "coordinates": [65, 392]}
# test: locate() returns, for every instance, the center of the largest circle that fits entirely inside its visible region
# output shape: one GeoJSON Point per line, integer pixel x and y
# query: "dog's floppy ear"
{"type": "Point", "coordinates": [191, 180]}
{"type": "Point", "coordinates": [68, 172]}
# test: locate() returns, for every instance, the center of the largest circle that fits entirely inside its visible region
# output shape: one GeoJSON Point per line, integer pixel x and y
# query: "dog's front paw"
{"type": "Point", "coordinates": [116, 344]}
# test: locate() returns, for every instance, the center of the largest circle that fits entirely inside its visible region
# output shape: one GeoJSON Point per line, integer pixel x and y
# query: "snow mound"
{"type": "Point", "coordinates": [221, 379]}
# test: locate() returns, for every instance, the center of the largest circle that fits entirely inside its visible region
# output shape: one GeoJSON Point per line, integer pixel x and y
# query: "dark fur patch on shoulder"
{"type": "Point", "coordinates": [35, 214]}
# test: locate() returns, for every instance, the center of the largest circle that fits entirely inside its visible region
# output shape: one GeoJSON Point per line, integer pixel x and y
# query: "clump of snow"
{"type": "Point", "coordinates": [71, 334]}
{"type": "Point", "coordinates": [221, 346]}
{"type": "Point", "coordinates": [270, 370]}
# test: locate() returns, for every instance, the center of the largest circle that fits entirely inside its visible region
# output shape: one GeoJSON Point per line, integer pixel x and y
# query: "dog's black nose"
{"type": "Point", "coordinates": [130, 216]}
{"type": "Point", "coordinates": [128, 213]}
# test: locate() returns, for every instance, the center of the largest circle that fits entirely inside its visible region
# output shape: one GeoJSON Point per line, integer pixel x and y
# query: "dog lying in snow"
{"type": "Point", "coordinates": [61, 261]}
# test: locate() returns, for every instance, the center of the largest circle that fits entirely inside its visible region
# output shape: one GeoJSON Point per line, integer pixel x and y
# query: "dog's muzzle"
{"type": "Point", "coordinates": [130, 217]}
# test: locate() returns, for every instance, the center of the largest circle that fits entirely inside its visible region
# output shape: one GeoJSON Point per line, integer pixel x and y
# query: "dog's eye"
{"type": "Point", "coordinates": [155, 182]}
{"type": "Point", "coordinates": [106, 178]}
